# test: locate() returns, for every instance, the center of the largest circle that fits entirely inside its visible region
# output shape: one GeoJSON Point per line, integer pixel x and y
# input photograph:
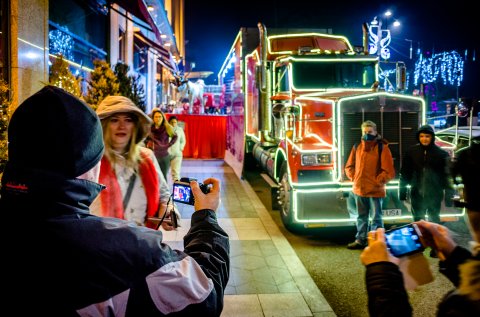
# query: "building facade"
{"type": "Point", "coordinates": [147, 35]}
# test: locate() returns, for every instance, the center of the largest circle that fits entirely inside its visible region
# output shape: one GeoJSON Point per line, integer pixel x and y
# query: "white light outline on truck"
{"type": "Point", "coordinates": [244, 68]}
{"type": "Point", "coordinates": [297, 192]}
{"type": "Point", "coordinates": [338, 37]}
{"type": "Point", "coordinates": [317, 60]}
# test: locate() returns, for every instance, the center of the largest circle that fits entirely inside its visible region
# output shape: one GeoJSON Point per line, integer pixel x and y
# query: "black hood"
{"type": "Point", "coordinates": [426, 129]}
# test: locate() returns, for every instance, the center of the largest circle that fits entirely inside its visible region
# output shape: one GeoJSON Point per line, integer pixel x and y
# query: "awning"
{"type": "Point", "coordinates": [139, 9]}
{"type": "Point", "coordinates": [165, 57]}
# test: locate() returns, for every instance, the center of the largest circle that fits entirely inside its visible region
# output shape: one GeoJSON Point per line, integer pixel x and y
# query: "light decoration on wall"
{"type": "Point", "coordinates": [61, 43]}
{"type": "Point", "coordinates": [447, 66]}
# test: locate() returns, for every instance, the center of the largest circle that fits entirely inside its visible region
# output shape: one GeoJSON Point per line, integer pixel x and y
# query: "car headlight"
{"type": "Point", "coordinates": [312, 159]}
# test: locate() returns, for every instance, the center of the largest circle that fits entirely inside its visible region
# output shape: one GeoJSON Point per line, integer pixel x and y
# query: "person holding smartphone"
{"type": "Point", "coordinates": [387, 295]}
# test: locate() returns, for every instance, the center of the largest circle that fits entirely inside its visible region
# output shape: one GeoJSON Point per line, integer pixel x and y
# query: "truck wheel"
{"type": "Point", "coordinates": [285, 201]}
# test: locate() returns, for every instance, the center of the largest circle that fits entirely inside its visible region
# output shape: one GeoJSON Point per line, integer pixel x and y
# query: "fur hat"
{"type": "Point", "coordinates": [119, 104]}
{"type": "Point", "coordinates": [55, 131]}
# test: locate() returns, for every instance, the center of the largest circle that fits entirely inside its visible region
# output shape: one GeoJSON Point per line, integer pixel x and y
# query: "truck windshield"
{"type": "Point", "coordinates": [333, 74]}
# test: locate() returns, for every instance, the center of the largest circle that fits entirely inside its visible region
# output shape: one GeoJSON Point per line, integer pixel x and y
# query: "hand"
{"type": "Point", "coordinates": [437, 237]}
{"type": "Point", "coordinates": [377, 251]}
{"type": "Point", "coordinates": [206, 201]}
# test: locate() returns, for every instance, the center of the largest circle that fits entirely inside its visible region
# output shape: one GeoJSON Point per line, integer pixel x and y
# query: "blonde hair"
{"type": "Point", "coordinates": [370, 124]}
{"type": "Point", "coordinates": [132, 156]}
{"type": "Point", "coordinates": [168, 127]}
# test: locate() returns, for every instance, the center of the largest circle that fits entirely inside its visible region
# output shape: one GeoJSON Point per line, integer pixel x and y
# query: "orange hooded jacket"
{"type": "Point", "coordinates": [369, 172]}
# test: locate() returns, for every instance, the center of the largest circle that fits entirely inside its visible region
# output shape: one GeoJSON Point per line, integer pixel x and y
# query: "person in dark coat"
{"type": "Point", "coordinates": [63, 261]}
{"type": "Point", "coordinates": [387, 295]}
{"type": "Point", "coordinates": [425, 168]}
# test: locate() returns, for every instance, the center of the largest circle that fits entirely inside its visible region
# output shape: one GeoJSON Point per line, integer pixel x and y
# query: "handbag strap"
{"type": "Point", "coordinates": [126, 198]}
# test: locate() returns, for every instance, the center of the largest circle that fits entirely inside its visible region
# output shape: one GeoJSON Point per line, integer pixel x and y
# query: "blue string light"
{"type": "Point", "coordinates": [61, 44]}
{"type": "Point", "coordinates": [445, 66]}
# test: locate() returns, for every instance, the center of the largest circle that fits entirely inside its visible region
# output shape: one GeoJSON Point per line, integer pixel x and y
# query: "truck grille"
{"type": "Point", "coordinates": [397, 122]}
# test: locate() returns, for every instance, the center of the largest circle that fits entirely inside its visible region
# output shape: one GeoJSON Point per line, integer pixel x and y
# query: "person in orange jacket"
{"type": "Point", "coordinates": [370, 167]}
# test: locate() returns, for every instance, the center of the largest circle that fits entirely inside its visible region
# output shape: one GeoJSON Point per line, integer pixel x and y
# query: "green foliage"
{"type": "Point", "coordinates": [103, 82]}
{"type": "Point", "coordinates": [62, 77]}
{"type": "Point", "coordinates": [5, 114]}
{"type": "Point", "coordinates": [130, 86]}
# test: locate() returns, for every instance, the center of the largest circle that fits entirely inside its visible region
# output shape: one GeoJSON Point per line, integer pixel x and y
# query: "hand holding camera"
{"type": "Point", "coordinates": [202, 196]}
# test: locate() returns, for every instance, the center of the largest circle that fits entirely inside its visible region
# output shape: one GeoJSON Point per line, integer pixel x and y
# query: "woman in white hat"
{"type": "Point", "coordinates": [136, 188]}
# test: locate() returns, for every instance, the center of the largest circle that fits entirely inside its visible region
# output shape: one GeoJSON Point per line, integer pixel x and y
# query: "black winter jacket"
{"type": "Point", "coordinates": [62, 261]}
{"type": "Point", "coordinates": [387, 295]}
{"type": "Point", "coordinates": [425, 169]}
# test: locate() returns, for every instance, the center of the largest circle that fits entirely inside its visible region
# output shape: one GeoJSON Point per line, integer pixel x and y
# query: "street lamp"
{"type": "Point", "coordinates": [380, 37]}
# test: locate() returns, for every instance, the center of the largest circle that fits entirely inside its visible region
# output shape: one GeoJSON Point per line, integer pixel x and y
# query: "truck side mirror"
{"type": "Point", "coordinates": [401, 72]}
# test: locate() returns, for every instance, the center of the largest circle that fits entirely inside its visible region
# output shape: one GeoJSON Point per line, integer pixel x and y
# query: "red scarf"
{"type": "Point", "coordinates": [111, 198]}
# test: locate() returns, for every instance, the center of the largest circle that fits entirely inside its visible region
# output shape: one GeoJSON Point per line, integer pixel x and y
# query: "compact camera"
{"type": "Point", "coordinates": [404, 240]}
{"type": "Point", "coordinates": [182, 192]}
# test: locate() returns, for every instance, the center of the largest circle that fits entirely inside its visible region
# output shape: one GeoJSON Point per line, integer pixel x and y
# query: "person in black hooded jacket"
{"type": "Point", "coordinates": [61, 260]}
{"type": "Point", "coordinates": [425, 168]}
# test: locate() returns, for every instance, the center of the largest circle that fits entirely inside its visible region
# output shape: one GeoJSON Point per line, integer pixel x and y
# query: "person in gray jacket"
{"type": "Point", "coordinates": [63, 261]}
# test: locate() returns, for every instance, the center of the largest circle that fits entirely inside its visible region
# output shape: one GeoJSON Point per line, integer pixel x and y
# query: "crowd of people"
{"type": "Point", "coordinates": [102, 177]}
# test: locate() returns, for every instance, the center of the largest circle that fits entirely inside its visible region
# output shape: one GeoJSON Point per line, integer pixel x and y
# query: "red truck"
{"type": "Point", "coordinates": [304, 96]}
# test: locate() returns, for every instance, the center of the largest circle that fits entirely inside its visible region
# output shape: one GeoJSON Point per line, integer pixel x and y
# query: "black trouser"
{"type": "Point", "coordinates": [426, 205]}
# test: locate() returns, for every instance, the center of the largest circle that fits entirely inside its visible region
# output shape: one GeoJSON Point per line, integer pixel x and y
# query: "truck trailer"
{"type": "Point", "coordinates": [304, 97]}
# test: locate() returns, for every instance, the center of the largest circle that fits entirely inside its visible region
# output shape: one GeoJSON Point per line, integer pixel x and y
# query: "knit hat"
{"type": "Point", "coordinates": [55, 131]}
{"type": "Point", "coordinates": [119, 104]}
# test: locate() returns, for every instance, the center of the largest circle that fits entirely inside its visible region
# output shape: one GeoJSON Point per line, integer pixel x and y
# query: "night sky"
{"type": "Point", "coordinates": [211, 26]}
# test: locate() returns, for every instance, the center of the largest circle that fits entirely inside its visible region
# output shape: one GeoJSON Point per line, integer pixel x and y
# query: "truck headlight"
{"type": "Point", "coordinates": [312, 159]}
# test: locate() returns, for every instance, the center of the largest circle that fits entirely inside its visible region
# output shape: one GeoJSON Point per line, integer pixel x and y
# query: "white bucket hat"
{"type": "Point", "coordinates": [119, 104]}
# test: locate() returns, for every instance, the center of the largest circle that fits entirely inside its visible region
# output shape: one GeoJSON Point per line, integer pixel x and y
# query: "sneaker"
{"type": "Point", "coordinates": [433, 253]}
{"type": "Point", "coordinates": [355, 245]}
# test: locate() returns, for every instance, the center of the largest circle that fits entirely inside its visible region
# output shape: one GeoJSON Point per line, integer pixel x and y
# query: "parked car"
{"type": "Point", "coordinates": [454, 139]}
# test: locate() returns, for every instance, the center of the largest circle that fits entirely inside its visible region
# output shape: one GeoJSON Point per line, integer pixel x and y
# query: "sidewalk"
{"type": "Point", "coordinates": [266, 276]}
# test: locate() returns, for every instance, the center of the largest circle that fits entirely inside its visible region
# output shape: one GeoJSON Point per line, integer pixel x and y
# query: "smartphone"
{"type": "Point", "coordinates": [404, 240]}
{"type": "Point", "coordinates": [182, 193]}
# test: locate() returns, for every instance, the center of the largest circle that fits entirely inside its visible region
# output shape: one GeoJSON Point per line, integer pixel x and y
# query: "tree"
{"type": "Point", "coordinates": [103, 82]}
{"type": "Point", "coordinates": [5, 114]}
{"type": "Point", "coordinates": [62, 77]}
{"type": "Point", "coordinates": [130, 86]}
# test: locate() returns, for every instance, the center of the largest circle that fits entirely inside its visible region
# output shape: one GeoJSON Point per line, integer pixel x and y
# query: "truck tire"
{"type": "Point", "coordinates": [285, 196]}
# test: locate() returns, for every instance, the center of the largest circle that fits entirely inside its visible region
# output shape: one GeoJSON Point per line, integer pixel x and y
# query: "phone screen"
{"type": "Point", "coordinates": [182, 193]}
{"type": "Point", "coordinates": [404, 240]}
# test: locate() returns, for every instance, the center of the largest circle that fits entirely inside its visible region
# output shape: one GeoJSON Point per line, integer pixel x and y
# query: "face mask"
{"type": "Point", "coordinates": [369, 137]}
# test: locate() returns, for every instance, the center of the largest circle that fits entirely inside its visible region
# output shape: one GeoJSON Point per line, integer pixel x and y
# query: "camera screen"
{"type": "Point", "coordinates": [182, 193]}
{"type": "Point", "coordinates": [403, 241]}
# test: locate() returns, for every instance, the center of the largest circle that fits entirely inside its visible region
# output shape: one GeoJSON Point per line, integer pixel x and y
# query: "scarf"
{"type": "Point", "coordinates": [111, 198]}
